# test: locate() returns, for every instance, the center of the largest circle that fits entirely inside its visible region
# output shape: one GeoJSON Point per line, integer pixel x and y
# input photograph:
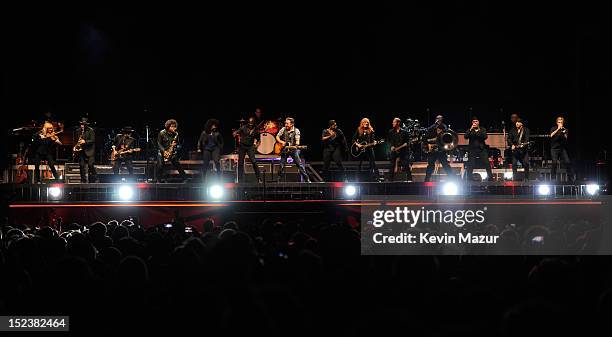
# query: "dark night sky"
{"type": "Point", "coordinates": [314, 62]}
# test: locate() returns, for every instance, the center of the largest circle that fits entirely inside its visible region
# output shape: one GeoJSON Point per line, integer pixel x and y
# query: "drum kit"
{"type": "Point", "coordinates": [267, 135]}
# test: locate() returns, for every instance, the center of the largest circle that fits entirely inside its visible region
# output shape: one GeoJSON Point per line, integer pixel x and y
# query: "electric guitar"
{"type": "Point", "coordinates": [121, 153]}
{"type": "Point", "coordinates": [525, 145]}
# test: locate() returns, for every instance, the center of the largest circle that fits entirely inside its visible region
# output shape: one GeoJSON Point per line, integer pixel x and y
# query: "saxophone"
{"type": "Point", "coordinates": [78, 147]}
{"type": "Point", "coordinates": [169, 152]}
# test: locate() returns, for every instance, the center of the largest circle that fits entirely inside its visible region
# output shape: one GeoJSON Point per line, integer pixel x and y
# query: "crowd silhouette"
{"type": "Point", "coordinates": [296, 277]}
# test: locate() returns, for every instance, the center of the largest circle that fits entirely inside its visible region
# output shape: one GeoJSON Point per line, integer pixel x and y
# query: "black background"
{"type": "Point", "coordinates": [312, 61]}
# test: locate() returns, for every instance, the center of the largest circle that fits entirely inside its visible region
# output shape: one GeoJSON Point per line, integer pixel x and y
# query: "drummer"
{"type": "Point", "coordinates": [259, 117]}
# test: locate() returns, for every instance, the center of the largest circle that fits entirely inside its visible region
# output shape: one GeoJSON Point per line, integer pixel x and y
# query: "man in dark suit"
{"type": "Point", "coordinates": [210, 145]}
{"type": "Point", "coordinates": [86, 141]}
{"type": "Point", "coordinates": [437, 153]}
{"type": "Point", "coordinates": [477, 151]}
{"type": "Point", "coordinates": [124, 142]}
{"type": "Point", "coordinates": [518, 140]}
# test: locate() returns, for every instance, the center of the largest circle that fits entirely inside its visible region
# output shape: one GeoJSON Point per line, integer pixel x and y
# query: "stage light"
{"type": "Point", "coordinates": [126, 192]}
{"type": "Point", "coordinates": [450, 189]}
{"type": "Point", "coordinates": [350, 191]}
{"type": "Point", "coordinates": [544, 190]}
{"type": "Point", "coordinates": [508, 175]}
{"type": "Point", "coordinates": [592, 189]}
{"type": "Point", "coordinates": [55, 192]}
{"type": "Point", "coordinates": [215, 192]}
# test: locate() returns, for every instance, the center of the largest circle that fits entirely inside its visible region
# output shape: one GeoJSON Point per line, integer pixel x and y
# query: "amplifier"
{"type": "Point", "coordinates": [291, 174]}
{"type": "Point", "coordinates": [419, 171]}
{"type": "Point", "coordinates": [72, 179]}
{"type": "Point", "coordinates": [263, 168]}
{"type": "Point", "coordinates": [105, 172]}
{"type": "Point", "coordinates": [289, 168]}
{"type": "Point", "coordinates": [140, 168]}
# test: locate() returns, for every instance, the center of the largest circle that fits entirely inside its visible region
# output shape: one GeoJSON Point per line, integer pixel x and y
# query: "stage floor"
{"type": "Point", "coordinates": [170, 193]}
{"type": "Point", "coordinates": [155, 204]}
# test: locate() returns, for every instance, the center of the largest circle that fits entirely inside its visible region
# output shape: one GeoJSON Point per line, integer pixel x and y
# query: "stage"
{"type": "Point", "coordinates": [174, 193]}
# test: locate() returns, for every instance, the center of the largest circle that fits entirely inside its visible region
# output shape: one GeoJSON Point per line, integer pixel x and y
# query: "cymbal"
{"type": "Point", "coordinates": [241, 120]}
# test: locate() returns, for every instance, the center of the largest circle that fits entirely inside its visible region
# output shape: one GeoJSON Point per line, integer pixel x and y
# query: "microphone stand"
{"type": "Point", "coordinates": [147, 149]}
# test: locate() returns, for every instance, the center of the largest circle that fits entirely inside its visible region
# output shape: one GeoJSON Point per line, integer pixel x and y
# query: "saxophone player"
{"type": "Point", "coordinates": [167, 142]}
{"type": "Point", "coordinates": [84, 151]}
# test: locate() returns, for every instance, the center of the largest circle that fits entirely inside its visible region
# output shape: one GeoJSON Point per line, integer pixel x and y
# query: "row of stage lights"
{"type": "Point", "coordinates": [452, 189]}
{"type": "Point", "coordinates": [128, 192]}
{"type": "Point", "coordinates": [216, 192]}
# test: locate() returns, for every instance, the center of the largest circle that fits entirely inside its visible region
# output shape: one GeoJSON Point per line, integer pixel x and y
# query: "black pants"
{"type": "Point", "coordinates": [161, 168]}
{"type": "Point", "coordinates": [250, 151]}
{"type": "Point", "coordinates": [371, 158]}
{"type": "Point", "coordinates": [398, 160]}
{"type": "Point", "coordinates": [296, 159]}
{"type": "Point", "coordinates": [128, 163]}
{"type": "Point", "coordinates": [87, 168]}
{"type": "Point", "coordinates": [50, 161]}
{"type": "Point", "coordinates": [478, 157]}
{"type": "Point", "coordinates": [521, 156]}
{"type": "Point", "coordinates": [560, 155]}
{"type": "Point", "coordinates": [431, 164]}
{"type": "Point", "coordinates": [336, 156]}
{"type": "Point", "coordinates": [215, 156]}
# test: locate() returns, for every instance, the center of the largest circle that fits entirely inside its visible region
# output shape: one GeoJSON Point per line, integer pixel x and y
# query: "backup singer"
{"type": "Point", "coordinates": [432, 133]}
{"type": "Point", "coordinates": [167, 142]}
{"type": "Point", "coordinates": [518, 140]}
{"type": "Point", "coordinates": [210, 145]}
{"type": "Point", "coordinates": [86, 155]}
{"type": "Point", "coordinates": [248, 142]}
{"type": "Point", "coordinates": [124, 142]}
{"type": "Point", "coordinates": [289, 135]}
{"type": "Point", "coordinates": [334, 143]}
{"type": "Point", "coordinates": [365, 135]}
{"type": "Point", "coordinates": [399, 141]}
{"type": "Point", "coordinates": [44, 142]}
{"type": "Point", "coordinates": [477, 150]}
{"type": "Point", "coordinates": [558, 149]}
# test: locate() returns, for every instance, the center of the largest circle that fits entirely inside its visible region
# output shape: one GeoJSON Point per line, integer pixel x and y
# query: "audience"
{"type": "Point", "coordinates": [295, 278]}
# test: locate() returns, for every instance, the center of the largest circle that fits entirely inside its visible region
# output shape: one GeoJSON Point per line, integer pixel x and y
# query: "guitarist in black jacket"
{"type": "Point", "coordinates": [518, 140]}
{"type": "Point", "coordinates": [124, 142]}
{"type": "Point", "coordinates": [477, 151]}
{"type": "Point", "coordinates": [399, 140]}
